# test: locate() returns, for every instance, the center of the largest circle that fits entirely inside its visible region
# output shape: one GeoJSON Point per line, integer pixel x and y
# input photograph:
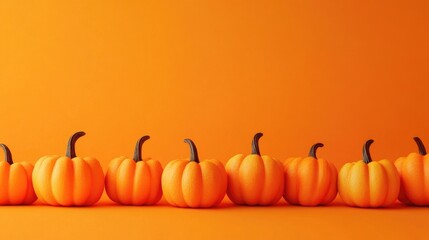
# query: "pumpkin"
{"type": "Point", "coordinates": [134, 181]}
{"type": "Point", "coordinates": [254, 179]}
{"type": "Point", "coordinates": [368, 183]}
{"type": "Point", "coordinates": [194, 183]}
{"type": "Point", "coordinates": [414, 173]}
{"type": "Point", "coordinates": [68, 180]}
{"type": "Point", "coordinates": [16, 185]}
{"type": "Point", "coordinates": [310, 181]}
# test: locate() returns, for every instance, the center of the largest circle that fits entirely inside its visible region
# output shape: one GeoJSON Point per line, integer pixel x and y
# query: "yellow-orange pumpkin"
{"type": "Point", "coordinates": [254, 179]}
{"type": "Point", "coordinates": [68, 180]}
{"type": "Point", "coordinates": [414, 173]}
{"type": "Point", "coordinates": [368, 183]}
{"type": "Point", "coordinates": [310, 181]}
{"type": "Point", "coordinates": [194, 183]}
{"type": "Point", "coordinates": [16, 185]}
{"type": "Point", "coordinates": [134, 181]}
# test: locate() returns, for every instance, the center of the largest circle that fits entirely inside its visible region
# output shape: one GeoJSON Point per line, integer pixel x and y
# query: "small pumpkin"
{"type": "Point", "coordinates": [368, 183]}
{"type": "Point", "coordinates": [194, 183]}
{"type": "Point", "coordinates": [255, 179]}
{"type": "Point", "coordinates": [310, 181]}
{"type": "Point", "coordinates": [134, 181]}
{"type": "Point", "coordinates": [68, 180]}
{"type": "Point", "coordinates": [16, 185]}
{"type": "Point", "coordinates": [414, 173]}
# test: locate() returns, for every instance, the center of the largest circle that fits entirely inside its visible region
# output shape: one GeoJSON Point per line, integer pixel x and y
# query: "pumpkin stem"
{"type": "Point", "coordinates": [138, 150]}
{"type": "Point", "coordinates": [366, 155]}
{"type": "Point", "coordinates": [194, 152]}
{"type": "Point", "coordinates": [255, 143]}
{"type": "Point", "coordinates": [7, 154]}
{"type": "Point", "coordinates": [314, 148]}
{"type": "Point", "coordinates": [71, 152]}
{"type": "Point", "coordinates": [421, 146]}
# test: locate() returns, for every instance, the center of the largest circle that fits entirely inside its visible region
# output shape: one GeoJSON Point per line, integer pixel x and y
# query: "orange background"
{"type": "Point", "coordinates": [217, 72]}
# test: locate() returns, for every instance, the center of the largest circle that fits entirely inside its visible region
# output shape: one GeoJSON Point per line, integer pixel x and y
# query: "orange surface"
{"type": "Point", "coordinates": [216, 72]}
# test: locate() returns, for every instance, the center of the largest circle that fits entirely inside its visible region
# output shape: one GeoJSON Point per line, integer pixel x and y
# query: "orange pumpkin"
{"type": "Point", "coordinates": [134, 181]}
{"type": "Point", "coordinates": [254, 179]}
{"type": "Point", "coordinates": [414, 173]}
{"type": "Point", "coordinates": [310, 181]}
{"type": "Point", "coordinates": [68, 180]}
{"type": "Point", "coordinates": [369, 183]}
{"type": "Point", "coordinates": [16, 186]}
{"type": "Point", "coordinates": [194, 183]}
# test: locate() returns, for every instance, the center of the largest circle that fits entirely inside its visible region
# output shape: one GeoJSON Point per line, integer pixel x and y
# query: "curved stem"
{"type": "Point", "coordinates": [313, 149]}
{"type": "Point", "coordinates": [366, 155]}
{"type": "Point", "coordinates": [422, 149]}
{"type": "Point", "coordinates": [71, 152]}
{"type": "Point", "coordinates": [255, 143]}
{"type": "Point", "coordinates": [194, 152]}
{"type": "Point", "coordinates": [138, 149]}
{"type": "Point", "coordinates": [7, 154]}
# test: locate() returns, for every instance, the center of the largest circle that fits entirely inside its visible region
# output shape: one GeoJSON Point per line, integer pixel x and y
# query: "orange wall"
{"type": "Point", "coordinates": [214, 71]}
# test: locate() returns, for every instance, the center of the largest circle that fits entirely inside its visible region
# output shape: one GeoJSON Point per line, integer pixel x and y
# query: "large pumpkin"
{"type": "Point", "coordinates": [194, 183]}
{"type": "Point", "coordinates": [16, 185]}
{"type": "Point", "coordinates": [134, 181]}
{"type": "Point", "coordinates": [68, 180]}
{"type": "Point", "coordinates": [414, 173]}
{"type": "Point", "coordinates": [254, 179]}
{"type": "Point", "coordinates": [310, 181]}
{"type": "Point", "coordinates": [368, 183]}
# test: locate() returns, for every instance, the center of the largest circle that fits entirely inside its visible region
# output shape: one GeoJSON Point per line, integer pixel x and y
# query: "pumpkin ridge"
{"type": "Point", "coordinates": [180, 177]}
{"type": "Point", "coordinates": [56, 167]}
{"type": "Point", "coordinates": [411, 161]}
{"type": "Point", "coordinates": [292, 166]}
{"type": "Point", "coordinates": [421, 158]}
{"type": "Point", "coordinates": [156, 190]}
{"type": "Point", "coordinates": [324, 172]}
{"type": "Point", "coordinates": [14, 171]}
{"type": "Point", "coordinates": [388, 180]}
{"type": "Point", "coordinates": [426, 192]}
{"type": "Point", "coordinates": [124, 167]}
{"type": "Point", "coordinates": [351, 197]}
{"type": "Point", "coordinates": [92, 177]}
{"type": "Point", "coordinates": [95, 170]}
{"type": "Point", "coordinates": [327, 198]}
{"type": "Point", "coordinates": [197, 178]}
{"type": "Point", "coordinates": [238, 197]}
{"type": "Point", "coordinates": [149, 178]}
{"type": "Point", "coordinates": [112, 182]}
{"type": "Point", "coordinates": [48, 181]}
{"type": "Point", "coordinates": [316, 196]}
{"type": "Point", "coordinates": [30, 194]}
{"type": "Point", "coordinates": [264, 188]}
{"type": "Point", "coordinates": [34, 177]}
{"type": "Point", "coordinates": [135, 190]}
{"type": "Point", "coordinates": [6, 176]}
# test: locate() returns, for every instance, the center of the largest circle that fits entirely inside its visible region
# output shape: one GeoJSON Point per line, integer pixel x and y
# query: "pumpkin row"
{"type": "Point", "coordinates": [252, 179]}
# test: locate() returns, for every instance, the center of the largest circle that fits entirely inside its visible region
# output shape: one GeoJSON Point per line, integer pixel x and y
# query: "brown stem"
{"type": "Point", "coordinates": [71, 152]}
